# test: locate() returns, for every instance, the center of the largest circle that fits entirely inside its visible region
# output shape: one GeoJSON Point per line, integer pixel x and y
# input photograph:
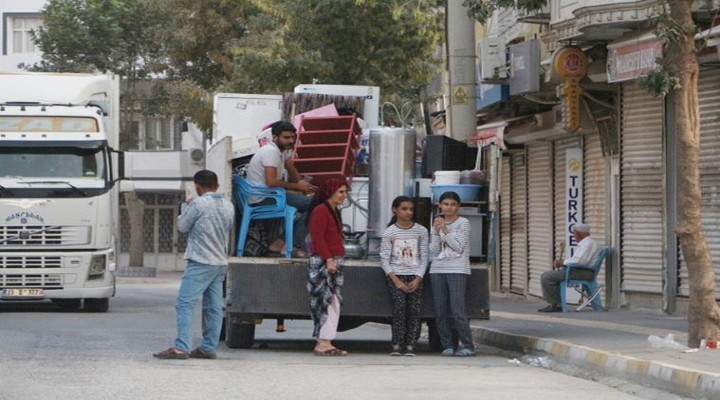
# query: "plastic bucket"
{"type": "Point", "coordinates": [446, 178]}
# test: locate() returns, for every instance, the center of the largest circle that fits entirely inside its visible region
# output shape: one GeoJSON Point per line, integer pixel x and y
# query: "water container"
{"type": "Point", "coordinates": [446, 178]}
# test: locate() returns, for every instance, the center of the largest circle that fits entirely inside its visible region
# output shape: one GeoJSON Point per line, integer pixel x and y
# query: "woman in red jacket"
{"type": "Point", "coordinates": [326, 257]}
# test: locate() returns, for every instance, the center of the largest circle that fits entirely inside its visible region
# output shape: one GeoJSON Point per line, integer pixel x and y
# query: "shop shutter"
{"type": "Point", "coordinates": [596, 196]}
{"type": "Point", "coordinates": [505, 223]}
{"type": "Point", "coordinates": [709, 96]}
{"type": "Point", "coordinates": [641, 191]}
{"type": "Point", "coordinates": [518, 221]}
{"type": "Point", "coordinates": [540, 224]}
{"type": "Point", "coordinates": [595, 187]}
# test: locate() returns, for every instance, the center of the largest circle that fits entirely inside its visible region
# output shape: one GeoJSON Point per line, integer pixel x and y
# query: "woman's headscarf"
{"type": "Point", "coordinates": [328, 188]}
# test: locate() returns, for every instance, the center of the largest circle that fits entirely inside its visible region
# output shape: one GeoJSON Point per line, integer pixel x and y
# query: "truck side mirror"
{"type": "Point", "coordinates": [119, 173]}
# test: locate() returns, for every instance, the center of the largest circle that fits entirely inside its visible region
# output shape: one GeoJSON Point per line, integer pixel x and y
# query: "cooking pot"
{"type": "Point", "coordinates": [353, 247]}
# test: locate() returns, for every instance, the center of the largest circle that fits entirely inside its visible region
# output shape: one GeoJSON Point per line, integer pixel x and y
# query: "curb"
{"type": "Point", "coordinates": [678, 380]}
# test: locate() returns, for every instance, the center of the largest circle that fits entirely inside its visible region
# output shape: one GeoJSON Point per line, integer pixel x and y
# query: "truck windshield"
{"type": "Point", "coordinates": [52, 162]}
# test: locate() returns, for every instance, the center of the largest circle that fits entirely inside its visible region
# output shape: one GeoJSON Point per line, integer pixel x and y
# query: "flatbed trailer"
{"type": "Point", "coordinates": [275, 288]}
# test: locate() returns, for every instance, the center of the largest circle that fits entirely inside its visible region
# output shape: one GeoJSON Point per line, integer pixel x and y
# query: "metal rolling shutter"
{"type": "Point", "coordinates": [560, 221]}
{"type": "Point", "coordinates": [596, 192]}
{"type": "Point", "coordinates": [641, 191]}
{"type": "Point", "coordinates": [540, 215]}
{"type": "Point", "coordinates": [709, 96]}
{"type": "Point", "coordinates": [505, 223]}
{"type": "Point", "coordinates": [518, 256]}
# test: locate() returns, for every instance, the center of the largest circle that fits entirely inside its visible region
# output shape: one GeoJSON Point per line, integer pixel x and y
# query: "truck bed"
{"type": "Point", "coordinates": [275, 288]}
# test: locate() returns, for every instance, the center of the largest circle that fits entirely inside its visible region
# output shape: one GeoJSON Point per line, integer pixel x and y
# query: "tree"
{"type": "Point", "coordinates": [679, 75]}
{"type": "Point", "coordinates": [108, 36]}
{"type": "Point", "coordinates": [678, 36]}
{"type": "Point", "coordinates": [391, 44]}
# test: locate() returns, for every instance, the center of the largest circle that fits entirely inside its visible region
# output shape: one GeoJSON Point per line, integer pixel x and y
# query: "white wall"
{"type": "Point", "coordinates": [562, 10]}
{"type": "Point", "coordinates": [8, 8]}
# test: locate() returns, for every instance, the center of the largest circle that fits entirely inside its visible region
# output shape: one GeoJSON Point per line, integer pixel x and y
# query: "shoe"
{"type": "Point", "coordinates": [200, 353]}
{"type": "Point", "coordinates": [334, 352]}
{"type": "Point", "coordinates": [409, 351]}
{"type": "Point", "coordinates": [449, 352]}
{"type": "Point", "coordinates": [396, 350]}
{"type": "Point", "coordinates": [551, 308]}
{"type": "Point", "coordinates": [465, 352]}
{"type": "Point", "coordinates": [172, 354]}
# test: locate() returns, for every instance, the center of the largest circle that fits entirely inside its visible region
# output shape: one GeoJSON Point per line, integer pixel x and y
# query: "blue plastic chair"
{"type": "Point", "coordinates": [589, 289]}
{"type": "Point", "coordinates": [243, 190]}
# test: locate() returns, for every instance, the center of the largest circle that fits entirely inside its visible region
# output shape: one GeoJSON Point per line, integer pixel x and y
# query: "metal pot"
{"type": "Point", "coordinates": [353, 246]}
{"type": "Point", "coordinates": [473, 177]}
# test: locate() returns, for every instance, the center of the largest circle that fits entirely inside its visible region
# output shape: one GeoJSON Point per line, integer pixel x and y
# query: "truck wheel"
{"type": "Point", "coordinates": [67, 304]}
{"type": "Point", "coordinates": [97, 305]}
{"type": "Point", "coordinates": [239, 335]}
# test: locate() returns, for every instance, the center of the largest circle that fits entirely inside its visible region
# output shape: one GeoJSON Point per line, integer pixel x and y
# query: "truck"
{"type": "Point", "coordinates": [264, 288]}
{"type": "Point", "coordinates": [59, 225]}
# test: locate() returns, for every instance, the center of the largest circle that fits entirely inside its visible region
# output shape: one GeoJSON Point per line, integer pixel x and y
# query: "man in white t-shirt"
{"type": "Point", "coordinates": [585, 254]}
{"type": "Point", "coordinates": [270, 163]}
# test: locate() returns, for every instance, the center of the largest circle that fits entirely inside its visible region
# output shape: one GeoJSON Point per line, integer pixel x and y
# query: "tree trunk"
{"type": "Point", "coordinates": [136, 210]}
{"type": "Point", "coordinates": [681, 62]}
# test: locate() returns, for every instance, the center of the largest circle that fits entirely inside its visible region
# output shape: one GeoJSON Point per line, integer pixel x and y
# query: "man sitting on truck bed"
{"type": "Point", "coordinates": [267, 167]}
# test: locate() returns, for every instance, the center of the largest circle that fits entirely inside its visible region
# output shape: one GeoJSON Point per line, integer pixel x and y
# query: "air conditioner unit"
{"type": "Point", "coordinates": [493, 60]}
{"type": "Point", "coordinates": [197, 156]}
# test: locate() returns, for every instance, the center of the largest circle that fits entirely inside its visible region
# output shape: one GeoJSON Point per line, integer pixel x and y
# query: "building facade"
{"type": "Point", "coordinates": [615, 170]}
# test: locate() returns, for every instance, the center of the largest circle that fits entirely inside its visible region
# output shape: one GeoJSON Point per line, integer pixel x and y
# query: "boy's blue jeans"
{"type": "Point", "coordinates": [200, 280]}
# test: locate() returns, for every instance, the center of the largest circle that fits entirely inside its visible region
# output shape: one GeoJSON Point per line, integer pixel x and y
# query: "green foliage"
{"type": "Point", "coordinates": [99, 35]}
{"type": "Point", "coordinates": [390, 43]}
{"type": "Point", "coordinates": [198, 36]}
{"type": "Point", "coordinates": [659, 82]}
{"type": "Point", "coordinates": [481, 10]}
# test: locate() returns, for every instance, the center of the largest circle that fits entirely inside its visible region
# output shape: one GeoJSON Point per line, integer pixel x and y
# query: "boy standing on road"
{"type": "Point", "coordinates": [208, 220]}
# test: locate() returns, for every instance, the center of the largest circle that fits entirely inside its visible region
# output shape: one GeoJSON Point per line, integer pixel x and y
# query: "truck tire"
{"type": "Point", "coordinates": [239, 335]}
{"type": "Point", "coordinates": [68, 304]}
{"type": "Point", "coordinates": [96, 305]}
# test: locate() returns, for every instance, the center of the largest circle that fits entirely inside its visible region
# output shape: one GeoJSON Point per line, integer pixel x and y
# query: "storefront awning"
{"type": "Point", "coordinates": [492, 133]}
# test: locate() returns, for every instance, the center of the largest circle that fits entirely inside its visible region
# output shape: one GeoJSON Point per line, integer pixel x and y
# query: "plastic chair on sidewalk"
{"type": "Point", "coordinates": [589, 289]}
{"type": "Point", "coordinates": [243, 190]}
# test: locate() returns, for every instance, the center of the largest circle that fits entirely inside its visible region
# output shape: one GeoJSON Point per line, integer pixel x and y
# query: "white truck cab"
{"type": "Point", "coordinates": [58, 194]}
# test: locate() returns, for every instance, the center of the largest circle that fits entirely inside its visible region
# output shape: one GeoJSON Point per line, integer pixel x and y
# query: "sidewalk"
{"type": "Point", "coordinates": [614, 343]}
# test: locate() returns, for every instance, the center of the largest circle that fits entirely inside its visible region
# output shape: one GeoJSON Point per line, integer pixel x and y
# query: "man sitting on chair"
{"type": "Point", "coordinates": [585, 253]}
{"type": "Point", "coordinates": [267, 167]}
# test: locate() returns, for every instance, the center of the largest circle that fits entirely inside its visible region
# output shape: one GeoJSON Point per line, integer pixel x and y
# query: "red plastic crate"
{"type": "Point", "coordinates": [327, 147]}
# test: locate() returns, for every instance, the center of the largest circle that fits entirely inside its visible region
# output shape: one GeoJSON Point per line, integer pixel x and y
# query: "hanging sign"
{"type": "Point", "coordinates": [573, 194]}
{"type": "Point", "coordinates": [571, 63]}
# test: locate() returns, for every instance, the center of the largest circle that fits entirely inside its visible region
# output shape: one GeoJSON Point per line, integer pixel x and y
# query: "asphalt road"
{"type": "Point", "coordinates": [48, 354]}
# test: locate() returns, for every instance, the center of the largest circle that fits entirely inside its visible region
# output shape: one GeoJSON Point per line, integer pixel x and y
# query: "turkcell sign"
{"type": "Point", "coordinates": [573, 194]}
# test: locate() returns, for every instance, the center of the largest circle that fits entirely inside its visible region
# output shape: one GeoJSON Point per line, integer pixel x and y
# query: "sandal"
{"type": "Point", "coordinates": [172, 354]}
{"type": "Point", "coordinates": [334, 352]}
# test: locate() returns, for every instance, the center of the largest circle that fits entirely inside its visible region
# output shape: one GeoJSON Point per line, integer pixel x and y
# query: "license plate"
{"type": "Point", "coordinates": [22, 292]}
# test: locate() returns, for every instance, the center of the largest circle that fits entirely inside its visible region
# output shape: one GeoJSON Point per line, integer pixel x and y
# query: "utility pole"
{"type": "Point", "coordinates": [460, 34]}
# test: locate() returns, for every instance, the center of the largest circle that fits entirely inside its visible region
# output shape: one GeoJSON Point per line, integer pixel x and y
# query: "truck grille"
{"type": "Point", "coordinates": [12, 272]}
{"type": "Point", "coordinates": [43, 235]}
{"type": "Point", "coordinates": [13, 262]}
{"type": "Point", "coordinates": [46, 281]}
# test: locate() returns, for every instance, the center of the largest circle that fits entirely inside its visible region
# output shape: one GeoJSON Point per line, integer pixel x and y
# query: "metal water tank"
{"type": "Point", "coordinates": [392, 158]}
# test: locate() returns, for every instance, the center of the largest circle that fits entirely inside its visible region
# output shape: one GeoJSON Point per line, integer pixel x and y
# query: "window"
{"type": "Point", "coordinates": [21, 26]}
{"type": "Point", "coordinates": [151, 133]}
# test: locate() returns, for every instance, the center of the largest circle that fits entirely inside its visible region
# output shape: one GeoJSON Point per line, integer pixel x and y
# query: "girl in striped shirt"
{"type": "Point", "coordinates": [404, 257]}
{"type": "Point", "coordinates": [449, 274]}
